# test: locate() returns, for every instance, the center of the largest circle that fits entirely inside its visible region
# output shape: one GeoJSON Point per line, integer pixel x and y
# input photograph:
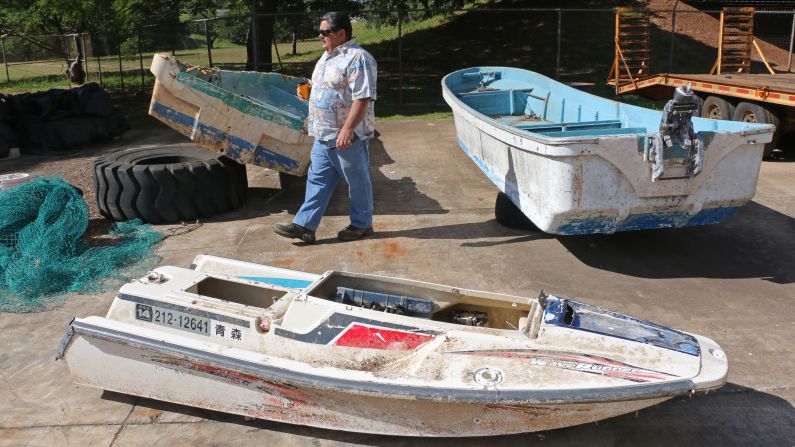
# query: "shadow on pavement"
{"type": "Point", "coordinates": [732, 416]}
{"type": "Point", "coordinates": [463, 231]}
{"type": "Point", "coordinates": [391, 196]}
{"type": "Point", "coordinates": [756, 243]}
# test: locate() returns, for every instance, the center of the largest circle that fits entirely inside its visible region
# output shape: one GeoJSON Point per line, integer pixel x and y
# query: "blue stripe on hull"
{"type": "Point", "coordinates": [608, 224]}
{"type": "Point", "coordinates": [284, 282]}
{"type": "Point", "coordinates": [234, 146]}
{"type": "Point", "coordinates": [646, 221]}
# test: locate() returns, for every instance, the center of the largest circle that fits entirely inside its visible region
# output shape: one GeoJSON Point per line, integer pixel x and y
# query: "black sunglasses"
{"type": "Point", "coordinates": [327, 31]}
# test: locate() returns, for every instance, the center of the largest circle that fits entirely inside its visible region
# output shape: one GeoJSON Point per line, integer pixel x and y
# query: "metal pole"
{"type": "Point", "coordinates": [85, 54]}
{"type": "Point", "coordinates": [141, 58]}
{"type": "Point", "coordinates": [99, 65]}
{"type": "Point", "coordinates": [66, 48]}
{"type": "Point", "coordinates": [791, 38]}
{"type": "Point", "coordinates": [209, 44]}
{"type": "Point", "coordinates": [276, 48]}
{"type": "Point", "coordinates": [121, 69]}
{"type": "Point", "coordinates": [5, 62]}
{"type": "Point", "coordinates": [254, 57]}
{"type": "Point", "coordinates": [400, 57]}
{"type": "Point", "coordinates": [673, 34]}
{"type": "Point", "coordinates": [557, 62]}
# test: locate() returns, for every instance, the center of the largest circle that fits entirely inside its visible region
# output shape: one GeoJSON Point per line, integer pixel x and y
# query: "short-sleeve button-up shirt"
{"type": "Point", "coordinates": [347, 73]}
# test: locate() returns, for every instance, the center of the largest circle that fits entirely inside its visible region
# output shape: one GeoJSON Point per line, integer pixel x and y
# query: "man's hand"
{"type": "Point", "coordinates": [344, 138]}
{"type": "Point", "coordinates": [358, 109]}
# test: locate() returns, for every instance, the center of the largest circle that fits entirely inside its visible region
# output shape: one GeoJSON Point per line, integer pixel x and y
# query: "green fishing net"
{"type": "Point", "coordinates": [45, 255]}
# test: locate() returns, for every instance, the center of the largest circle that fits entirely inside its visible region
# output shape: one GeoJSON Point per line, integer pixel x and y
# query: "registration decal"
{"type": "Point", "coordinates": [173, 319]}
{"type": "Point", "coordinates": [188, 310]}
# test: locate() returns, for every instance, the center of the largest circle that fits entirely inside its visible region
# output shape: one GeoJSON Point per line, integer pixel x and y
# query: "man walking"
{"type": "Point", "coordinates": [342, 121]}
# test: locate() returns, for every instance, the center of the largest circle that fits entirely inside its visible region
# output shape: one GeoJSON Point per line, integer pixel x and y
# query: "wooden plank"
{"type": "Point", "coordinates": [764, 59]}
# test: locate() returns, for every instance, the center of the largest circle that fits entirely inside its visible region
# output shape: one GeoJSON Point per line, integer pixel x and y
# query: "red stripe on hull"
{"type": "Point", "coordinates": [361, 336]}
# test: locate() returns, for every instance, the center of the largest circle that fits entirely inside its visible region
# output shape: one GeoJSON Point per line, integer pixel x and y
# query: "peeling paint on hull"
{"type": "Point", "coordinates": [218, 388]}
{"type": "Point", "coordinates": [599, 180]}
{"type": "Point", "coordinates": [252, 118]}
{"type": "Point", "coordinates": [230, 145]}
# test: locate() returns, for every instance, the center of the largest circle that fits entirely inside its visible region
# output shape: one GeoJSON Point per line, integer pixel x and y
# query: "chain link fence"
{"type": "Point", "coordinates": [414, 49]}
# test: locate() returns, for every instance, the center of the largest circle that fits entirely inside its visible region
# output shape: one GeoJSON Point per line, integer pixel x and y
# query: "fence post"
{"type": "Point", "coordinates": [560, 26]}
{"type": "Point", "coordinates": [5, 62]}
{"type": "Point", "coordinates": [121, 68]}
{"type": "Point", "coordinates": [209, 43]}
{"type": "Point", "coordinates": [141, 58]}
{"type": "Point", "coordinates": [66, 48]}
{"type": "Point", "coordinates": [99, 64]}
{"type": "Point", "coordinates": [276, 49]}
{"type": "Point", "coordinates": [791, 38]}
{"type": "Point", "coordinates": [255, 59]}
{"type": "Point", "coordinates": [400, 57]}
{"type": "Point", "coordinates": [82, 44]}
{"type": "Point", "coordinates": [673, 34]}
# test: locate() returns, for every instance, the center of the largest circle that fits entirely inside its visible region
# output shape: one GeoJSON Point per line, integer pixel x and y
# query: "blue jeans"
{"type": "Point", "coordinates": [329, 165]}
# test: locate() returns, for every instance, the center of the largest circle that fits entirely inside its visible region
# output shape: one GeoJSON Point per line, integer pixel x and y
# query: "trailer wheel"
{"type": "Point", "coordinates": [167, 184]}
{"type": "Point", "coordinates": [717, 108]}
{"type": "Point", "coordinates": [509, 215]}
{"type": "Point", "coordinates": [749, 112]}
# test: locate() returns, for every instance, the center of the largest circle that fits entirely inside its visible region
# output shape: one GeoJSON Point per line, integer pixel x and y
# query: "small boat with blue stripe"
{"type": "Point", "coordinates": [575, 163]}
{"type": "Point", "coordinates": [376, 354]}
{"type": "Point", "coordinates": [253, 118]}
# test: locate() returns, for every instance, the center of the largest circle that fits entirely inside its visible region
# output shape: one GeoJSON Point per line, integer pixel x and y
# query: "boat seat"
{"type": "Point", "coordinates": [601, 124]}
{"type": "Point", "coordinates": [592, 133]}
{"type": "Point", "coordinates": [496, 102]}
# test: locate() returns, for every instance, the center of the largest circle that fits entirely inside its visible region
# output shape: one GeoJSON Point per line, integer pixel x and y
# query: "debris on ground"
{"type": "Point", "coordinates": [46, 253]}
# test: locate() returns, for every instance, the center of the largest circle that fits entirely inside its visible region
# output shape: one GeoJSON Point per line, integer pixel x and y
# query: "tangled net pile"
{"type": "Point", "coordinates": [43, 254]}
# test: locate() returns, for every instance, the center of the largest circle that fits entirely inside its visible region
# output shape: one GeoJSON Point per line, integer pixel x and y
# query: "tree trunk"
{"type": "Point", "coordinates": [261, 29]}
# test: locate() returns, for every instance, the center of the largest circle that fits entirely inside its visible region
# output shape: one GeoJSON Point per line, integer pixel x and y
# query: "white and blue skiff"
{"type": "Point", "coordinates": [575, 163]}
{"type": "Point", "coordinates": [253, 118]}
{"type": "Point", "coordinates": [376, 354]}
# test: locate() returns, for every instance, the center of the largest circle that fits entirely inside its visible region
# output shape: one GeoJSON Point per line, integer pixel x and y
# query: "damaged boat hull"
{"type": "Point", "coordinates": [311, 361]}
{"type": "Point", "coordinates": [253, 118]}
{"type": "Point", "coordinates": [575, 163]}
{"type": "Point", "coordinates": [249, 389]}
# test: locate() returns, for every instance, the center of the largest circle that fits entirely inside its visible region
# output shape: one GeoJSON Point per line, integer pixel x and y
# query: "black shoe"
{"type": "Point", "coordinates": [294, 231]}
{"type": "Point", "coordinates": [351, 233]}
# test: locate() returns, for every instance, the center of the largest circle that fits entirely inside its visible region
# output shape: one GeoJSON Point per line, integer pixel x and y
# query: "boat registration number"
{"type": "Point", "coordinates": [173, 318]}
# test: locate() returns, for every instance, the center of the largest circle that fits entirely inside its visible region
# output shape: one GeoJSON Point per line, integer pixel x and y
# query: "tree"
{"type": "Point", "coordinates": [262, 24]}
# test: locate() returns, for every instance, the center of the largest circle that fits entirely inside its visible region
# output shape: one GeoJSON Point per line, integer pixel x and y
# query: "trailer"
{"type": "Point", "coordinates": [728, 92]}
{"type": "Point", "coordinates": [753, 98]}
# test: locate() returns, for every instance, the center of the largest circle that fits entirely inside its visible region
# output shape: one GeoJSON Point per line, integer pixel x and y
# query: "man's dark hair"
{"type": "Point", "coordinates": [338, 21]}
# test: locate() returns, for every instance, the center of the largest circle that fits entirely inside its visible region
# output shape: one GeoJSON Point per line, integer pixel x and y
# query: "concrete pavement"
{"type": "Point", "coordinates": [732, 282]}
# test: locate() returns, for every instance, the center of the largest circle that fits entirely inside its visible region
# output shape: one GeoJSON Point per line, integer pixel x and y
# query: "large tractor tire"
{"type": "Point", "coordinates": [751, 112]}
{"type": "Point", "coordinates": [168, 184]}
{"type": "Point", "coordinates": [509, 215]}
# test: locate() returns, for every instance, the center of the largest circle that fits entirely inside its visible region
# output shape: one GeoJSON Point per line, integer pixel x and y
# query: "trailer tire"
{"type": "Point", "coordinates": [509, 215]}
{"type": "Point", "coordinates": [751, 112]}
{"type": "Point", "coordinates": [167, 184]}
{"type": "Point", "coordinates": [717, 108]}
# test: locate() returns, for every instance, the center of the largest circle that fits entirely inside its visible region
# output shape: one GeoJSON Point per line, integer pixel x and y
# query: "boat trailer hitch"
{"type": "Point", "coordinates": [677, 135]}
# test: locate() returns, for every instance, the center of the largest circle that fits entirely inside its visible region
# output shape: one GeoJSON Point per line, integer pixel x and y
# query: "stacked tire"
{"type": "Point", "coordinates": [176, 183]}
